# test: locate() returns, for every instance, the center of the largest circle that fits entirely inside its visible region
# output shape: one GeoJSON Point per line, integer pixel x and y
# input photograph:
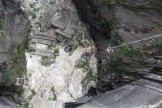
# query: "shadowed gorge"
{"type": "Point", "coordinates": [99, 29]}
{"type": "Point", "coordinates": [80, 53]}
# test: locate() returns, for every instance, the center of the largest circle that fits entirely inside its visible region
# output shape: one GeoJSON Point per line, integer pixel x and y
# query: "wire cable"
{"type": "Point", "coordinates": [110, 49]}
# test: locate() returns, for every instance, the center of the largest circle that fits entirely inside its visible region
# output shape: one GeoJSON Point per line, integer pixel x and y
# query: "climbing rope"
{"type": "Point", "coordinates": [110, 49]}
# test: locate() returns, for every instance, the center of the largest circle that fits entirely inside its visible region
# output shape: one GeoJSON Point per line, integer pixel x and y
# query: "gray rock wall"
{"type": "Point", "coordinates": [114, 23]}
{"type": "Point", "coordinates": [135, 20]}
{"type": "Point", "coordinates": [14, 32]}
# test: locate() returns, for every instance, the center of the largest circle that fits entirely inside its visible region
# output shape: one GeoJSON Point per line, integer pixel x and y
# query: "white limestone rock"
{"type": "Point", "coordinates": [62, 74]}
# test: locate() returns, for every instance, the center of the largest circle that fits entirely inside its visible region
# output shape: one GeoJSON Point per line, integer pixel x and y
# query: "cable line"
{"type": "Point", "coordinates": [110, 49]}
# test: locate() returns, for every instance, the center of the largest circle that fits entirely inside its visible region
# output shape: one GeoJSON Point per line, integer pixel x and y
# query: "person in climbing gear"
{"type": "Point", "coordinates": [109, 50]}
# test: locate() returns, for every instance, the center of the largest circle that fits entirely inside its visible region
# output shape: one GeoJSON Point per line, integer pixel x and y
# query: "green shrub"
{"type": "Point", "coordinates": [56, 51]}
{"type": "Point", "coordinates": [33, 92]}
{"type": "Point", "coordinates": [34, 15]}
{"type": "Point", "coordinates": [54, 94]}
{"type": "Point", "coordinates": [31, 49]}
{"type": "Point", "coordinates": [26, 105]}
{"type": "Point", "coordinates": [14, 50]}
{"type": "Point", "coordinates": [7, 75]}
{"type": "Point", "coordinates": [126, 49]}
{"type": "Point", "coordinates": [20, 91]}
{"type": "Point", "coordinates": [86, 68]}
{"type": "Point", "coordinates": [113, 33]}
{"type": "Point", "coordinates": [49, 46]}
{"type": "Point", "coordinates": [160, 42]}
{"type": "Point", "coordinates": [29, 27]}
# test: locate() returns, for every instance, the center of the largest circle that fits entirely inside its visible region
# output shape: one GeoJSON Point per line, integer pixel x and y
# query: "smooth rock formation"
{"type": "Point", "coordinates": [143, 94]}
{"type": "Point", "coordinates": [58, 24]}
{"type": "Point", "coordinates": [63, 34]}
{"type": "Point", "coordinates": [44, 35]}
{"type": "Point", "coordinates": [42, 41]}
{"type": "Point", "coordinates": [46, 17]}
{"type": "Point", "coordinates": [60, 38]}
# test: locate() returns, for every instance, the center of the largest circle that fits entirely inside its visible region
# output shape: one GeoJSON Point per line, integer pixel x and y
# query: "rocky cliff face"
{"type": "Point", "coordinates": [136, 20]}
{"type": "Point", "coordinates": [115, 22]}
{"type": "Point", "coordinates": [68, 44]}
{"type": "Point", "coordinates": [61, 62]}
{"type": "Point", "coordinates": [13, 37]}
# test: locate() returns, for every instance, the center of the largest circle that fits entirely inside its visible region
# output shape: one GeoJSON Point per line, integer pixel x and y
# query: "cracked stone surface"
{"type": "Point", "coordinates": [50, 37]}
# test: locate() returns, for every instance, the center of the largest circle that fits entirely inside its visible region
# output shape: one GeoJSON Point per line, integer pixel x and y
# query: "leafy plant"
{"type": "Point", "coordinates": [7, 75]}
{"type": "Point", "coordinates": [14, 50]}
{"type": "Point", "coordinates": [54, 94]}
{"type": "Point", "coordinates": [33, 92]}
{"type": "Point", "coordinates": [127, 49]}
{"type": "Point", "coordinates": [56, 51]}
{"type": "Point", "coordinates": [113, 33]}
{"type": "Point", "coordinates": [43, 61]}
{"type": "Point", "coordinates": [152, 41]}
{"type": "Point", "coordinates": [160, 42]}
{"type": "Point", "coordinates": [26, 105]}
{"type": "Point", "coordinates": [81, 43]}
{"type": "Point", "coordinates": [29, 27]}
{"type": "Point", "coordinates": [20, 91]}
{"type": "Point", "coordinates": [49, 46]}
{"type": "Point", "coordinates": [86, 68]}
{"type": "Point", "coordinates": [160, 27]}
{"type": "Point", "coordinates": [31, 49]}
{"type": "Point", "coordinates": [34, 15]}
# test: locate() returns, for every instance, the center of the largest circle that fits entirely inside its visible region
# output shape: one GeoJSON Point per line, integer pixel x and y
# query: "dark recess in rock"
{"type": "Point", "coordinates": [126, 21]}
{"type": "Point", "coordinates": [99, 30]}
{"type": "Point", "coordinates": [67, 49]}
